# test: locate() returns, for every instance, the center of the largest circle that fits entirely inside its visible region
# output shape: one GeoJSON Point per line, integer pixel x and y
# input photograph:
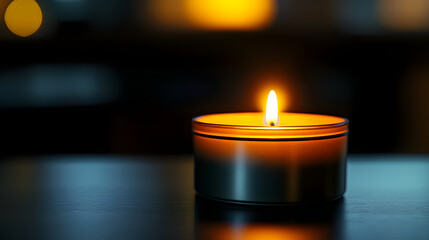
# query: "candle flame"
{"type": "Point", "coordinates": [272, 110]}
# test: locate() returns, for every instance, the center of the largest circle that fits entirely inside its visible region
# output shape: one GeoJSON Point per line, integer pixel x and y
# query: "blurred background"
{"type": "Point", "coordinates": [127, 76]}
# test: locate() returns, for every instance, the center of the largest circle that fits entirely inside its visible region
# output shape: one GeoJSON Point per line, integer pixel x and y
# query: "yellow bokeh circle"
{"type": "Point", "coordinates": [23, 17]}
{"type": "Point", "coordinates": [230, 14]}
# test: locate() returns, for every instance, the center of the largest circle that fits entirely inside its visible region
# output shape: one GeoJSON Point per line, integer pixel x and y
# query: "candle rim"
{"type": "Point", "coordinates": [268, 133]}
{"type": "Point", "coordinates": [344, 121]}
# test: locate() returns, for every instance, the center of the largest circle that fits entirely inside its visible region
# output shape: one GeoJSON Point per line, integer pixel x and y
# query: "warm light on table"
{"type": "Point", "coordinates": [271, 157]}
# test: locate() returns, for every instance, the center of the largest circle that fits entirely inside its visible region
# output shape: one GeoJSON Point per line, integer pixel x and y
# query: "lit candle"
{"type": "Point", "coordinates": [271, 157]}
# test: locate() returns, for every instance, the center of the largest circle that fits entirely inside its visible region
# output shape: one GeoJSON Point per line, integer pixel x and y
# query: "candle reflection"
{"type": "Point", "coordinates": [214, 220]}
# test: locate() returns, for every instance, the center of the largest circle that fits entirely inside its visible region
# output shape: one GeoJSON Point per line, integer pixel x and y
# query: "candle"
{"type": "Point", "coordinates": [271, 157]}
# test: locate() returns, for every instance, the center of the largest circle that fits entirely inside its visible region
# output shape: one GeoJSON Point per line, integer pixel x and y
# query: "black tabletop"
{"type": "Point", "coordinates": [113, 197]}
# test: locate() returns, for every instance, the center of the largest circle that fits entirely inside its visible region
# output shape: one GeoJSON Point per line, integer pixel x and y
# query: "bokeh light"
{"type": "Point", "coordinates": [167, 13]}
{"type": "Point", "coordinates": [212, 14]}
{"type": "Point", "coordinates": [23, 17]}
{"type": "Point", "coordinates": [410, 15]}
{"type": "Point", "coordinates": [230, 14]}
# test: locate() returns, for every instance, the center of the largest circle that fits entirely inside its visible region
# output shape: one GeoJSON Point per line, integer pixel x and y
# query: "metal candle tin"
{"type": "Point", "coordinates": [239, 160]}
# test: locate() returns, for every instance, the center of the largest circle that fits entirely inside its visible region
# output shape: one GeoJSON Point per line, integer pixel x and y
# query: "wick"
{"type": "Point", "coordinates": [272, 124]}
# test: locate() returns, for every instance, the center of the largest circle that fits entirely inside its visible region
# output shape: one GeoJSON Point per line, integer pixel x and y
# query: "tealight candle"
{"type": "Point", "coordinates": [271, 158]}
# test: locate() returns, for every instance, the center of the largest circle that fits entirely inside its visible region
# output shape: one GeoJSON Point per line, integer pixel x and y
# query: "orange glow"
{"type": "Point", "coordinates": [409, 15]}
{"type": "Point", "coordinates": [23, 17]}
{"type": "Point", "coordinates": [253, 120]}
{"type": "Point", "coordinates": [243, 126]}
{"type": "Point", "coordinates": [272, 110]}
{"type": "Point", "coordinates": [263, 91]}
{"type": "Point", "coordinates": [230, 14]}
{"type": "Point", "coordinates": [211, 231]}
{"type": "Point", "coordinates": [167, 13]}
{"type": "Point", "coordinates": [281, 153]}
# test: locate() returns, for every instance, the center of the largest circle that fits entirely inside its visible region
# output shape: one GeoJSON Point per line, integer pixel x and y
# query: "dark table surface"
{"type": "Point", "coordinates": [114, 197]}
